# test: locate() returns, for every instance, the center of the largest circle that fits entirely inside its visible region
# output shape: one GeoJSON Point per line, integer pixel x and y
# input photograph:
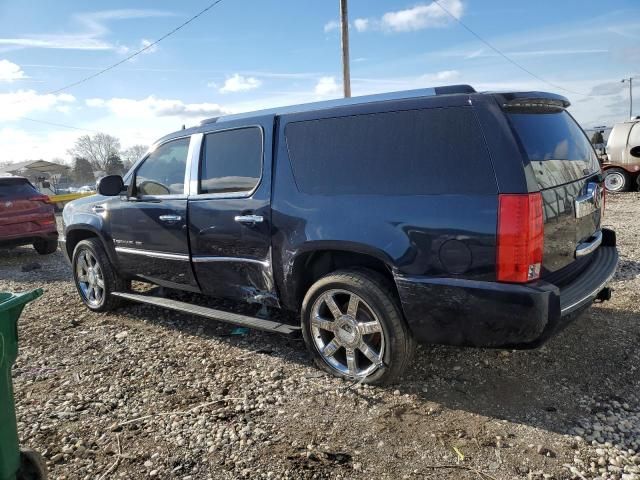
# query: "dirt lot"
{"type": "Point", "coordinates": [147, 393]}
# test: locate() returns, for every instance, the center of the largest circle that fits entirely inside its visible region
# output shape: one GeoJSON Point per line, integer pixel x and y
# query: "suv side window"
{"type": "Point", "coordinates": [412, 152]}
{"type": "Point", "coordinates": [231, 161]}
{"type": "Point", "coordinates": [162, 173]}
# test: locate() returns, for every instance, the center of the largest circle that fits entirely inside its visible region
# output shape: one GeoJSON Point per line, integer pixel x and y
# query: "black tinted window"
{"type": "Point", "coordinates": [557, 148]}
{"type": "Point", "coordinates": [16, 188]}
{"type": "Point", "coordinates": [396, 153]}
{"type": "Point", "coordinates": [231, 161]}
{"type": "Point", "coordinates": [162, 173]}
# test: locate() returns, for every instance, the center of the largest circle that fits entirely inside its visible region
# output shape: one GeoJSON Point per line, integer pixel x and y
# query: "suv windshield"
{"type": "Point", "coordinates": [557, 148]}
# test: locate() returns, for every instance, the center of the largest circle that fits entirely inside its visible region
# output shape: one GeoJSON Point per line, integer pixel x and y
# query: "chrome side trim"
{"type": "Point", "coordinates": [153, 254]}
{"type": "Point", "coordinates": [204, 259]}
{"type": "Point", "coordinates": [193, 164]}
{"type": "Point", "coordinates": [588, 247]}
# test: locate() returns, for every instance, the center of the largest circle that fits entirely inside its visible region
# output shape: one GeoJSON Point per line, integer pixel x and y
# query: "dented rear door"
{"type": "Point", "coordinates": [230, 213]}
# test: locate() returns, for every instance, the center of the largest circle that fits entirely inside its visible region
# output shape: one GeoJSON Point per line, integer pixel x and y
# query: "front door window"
{"type": "Point", "coordinates": [162, 173]}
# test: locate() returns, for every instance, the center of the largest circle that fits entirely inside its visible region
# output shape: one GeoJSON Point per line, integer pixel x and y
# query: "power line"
{"type": "Point", "coordinates": [135, 54]}
{"type": "Point", "coordinates": [503, 55]}
{"type": "Point", "coordinates": [57, 124]}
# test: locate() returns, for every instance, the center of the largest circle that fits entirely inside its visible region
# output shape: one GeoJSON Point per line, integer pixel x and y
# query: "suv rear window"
{"type": "Point", "coordinates": [413, 152]}
{"type": "Point", "coordinates": [16, 188]}
{"type": "Point", "coordinates": [557, 148]}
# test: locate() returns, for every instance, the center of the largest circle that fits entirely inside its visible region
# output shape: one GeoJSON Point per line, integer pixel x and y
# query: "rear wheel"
{"type": "Point", "coordinates": [616, 180]}
{"type": "Point", "coordinates": [95, 277]}
{"type": "Point", "coordinates": [354, 328]}
{"type": "Point", "coordinates": [45, 247]}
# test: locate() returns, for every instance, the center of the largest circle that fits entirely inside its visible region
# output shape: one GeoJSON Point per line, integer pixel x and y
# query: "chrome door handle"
{"type": "Point", "coordinates": [98, 209]}
{"type": "Point", "coordinates": [249, 219]}
{"type": "Point", "coordinates": [169, 218]}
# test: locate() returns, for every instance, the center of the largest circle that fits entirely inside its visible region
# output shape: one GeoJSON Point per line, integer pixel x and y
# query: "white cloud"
{"type": "Point", "coordinates": [239, 83]}
{"type": "Point", "coordinates": [22, 102]}
{"type": "Point", "coordinates": [419, 17]}
{"type": "Point", "coordinates": [153, 107]}
{"type": "Point", "coordinates": [90, 35]}
{"type": "Point", "coordinates": [19, 145]}
{"type": "Point", "coordinates": [361, 24]}
{"type": "Point", "coordinates": [331, 25]}
{"type": "Point", "coordinates": [144, 43]}
{"type": "Point", "coordinates": [10, 72]}
{"type": "Point", "coordinates": [327, 86]}
{"type": "Point", "coordinates": [442, 76]}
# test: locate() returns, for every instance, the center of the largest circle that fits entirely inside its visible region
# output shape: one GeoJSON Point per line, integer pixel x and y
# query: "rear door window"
{"type": "Point", "coordinates": [556, 146]}
{"type": "Point", "coordinates": [231, 161]}
{"type": "Point", "coordinates": [413, 152]}
{"type": "Point", "coordinates": [10, 188]}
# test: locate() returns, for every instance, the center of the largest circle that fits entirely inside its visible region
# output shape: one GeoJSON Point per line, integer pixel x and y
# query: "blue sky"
{"type": "Point", "coordinates": [249, 54]}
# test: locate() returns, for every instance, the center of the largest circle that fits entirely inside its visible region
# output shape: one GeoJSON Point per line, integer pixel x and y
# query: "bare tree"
{"type": "Point", "coordinates": [97, 149]}
{"type": "Point", "coordinates": [132, 154]}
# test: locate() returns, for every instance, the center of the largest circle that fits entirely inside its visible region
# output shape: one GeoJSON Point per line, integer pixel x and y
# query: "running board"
{"type": "Point", "coordinates": [213, 314]}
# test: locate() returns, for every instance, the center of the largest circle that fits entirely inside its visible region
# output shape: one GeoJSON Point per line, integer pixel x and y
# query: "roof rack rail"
{"type": "Point", "coordinates": [209, 120]}
{"type": "Point", "coordinates": [379, 97]}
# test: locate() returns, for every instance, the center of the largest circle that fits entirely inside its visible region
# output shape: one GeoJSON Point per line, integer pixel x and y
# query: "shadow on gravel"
{"type": "Point", "coordinates": [596, 357]}
{"type": "Point", "coordinates": [627, 269]}
{"type": "Point", "coordinates": [24, 264]}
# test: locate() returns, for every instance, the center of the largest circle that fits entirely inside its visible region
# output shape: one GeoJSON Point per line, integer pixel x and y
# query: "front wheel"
{"type": "Point", "coordinates": [95, 277]}
{"type": "Point", "coordinates": [616, 180]}
{"type": "Point", "coordinates": [354, 329]}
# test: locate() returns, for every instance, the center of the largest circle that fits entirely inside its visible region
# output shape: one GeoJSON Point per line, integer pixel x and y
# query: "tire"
{"type": "Point", "coordinates": [377, 327]}
{"type": "Point", "coordinates": [45, 247]}
{"type": "Point", "coordinates": [90, 280]}
{"type": "Point", "coordinates": [616, 180]}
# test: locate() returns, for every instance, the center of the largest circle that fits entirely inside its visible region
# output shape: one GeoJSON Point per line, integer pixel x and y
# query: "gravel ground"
{"type": "Point", "coordinates": [143, 392]}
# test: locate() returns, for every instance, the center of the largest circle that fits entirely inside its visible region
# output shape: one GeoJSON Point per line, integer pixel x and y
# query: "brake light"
{"type": "Point", "coordinates": [40, 198]}
{"type": "Point", "coordinates": [520, 237]}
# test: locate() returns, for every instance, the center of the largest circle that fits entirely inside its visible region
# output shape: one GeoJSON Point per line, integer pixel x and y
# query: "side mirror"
{"type": "Point", "coordinates": [111, 185]}
{"type": "Point", "coordinates": [635, 151]}
{"type": "Point", "coordinates": [46, 184]}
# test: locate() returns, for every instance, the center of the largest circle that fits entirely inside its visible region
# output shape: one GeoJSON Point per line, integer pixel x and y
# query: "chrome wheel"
{"type": "Point", "coordinates": [90, 278]}
{"type": "Point", "coordinates": [614, 181]}
{"type": "Point", "coordinates": [347, 333]}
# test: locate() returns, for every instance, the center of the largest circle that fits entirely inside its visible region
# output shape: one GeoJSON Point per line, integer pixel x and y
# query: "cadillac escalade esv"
{"type": "Point", "coordinates": [440, 215]}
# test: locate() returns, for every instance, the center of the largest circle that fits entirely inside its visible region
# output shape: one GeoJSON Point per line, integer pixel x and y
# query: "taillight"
{"type": "Point", "coordinates": [520, 237]}
{"type": "Point", "coordinates": [40, 198]}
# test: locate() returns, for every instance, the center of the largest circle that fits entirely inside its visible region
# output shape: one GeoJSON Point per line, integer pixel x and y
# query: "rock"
{"type": "Point", "coordinates": [31, 266]}
{"type": "Point", "coordinates": [546, 451]}
{"type": "Point", "coordinates": [122, 335]}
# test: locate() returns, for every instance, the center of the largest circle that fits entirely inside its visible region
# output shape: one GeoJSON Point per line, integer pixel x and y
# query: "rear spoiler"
{"type": "Point", "coordinates": [537, 101]}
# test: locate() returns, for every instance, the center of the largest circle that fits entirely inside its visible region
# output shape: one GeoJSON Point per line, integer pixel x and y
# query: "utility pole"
{"type": "Point", "coordinates": [346, 73]}
{"type": "Point", "coordinates": [630, 80]}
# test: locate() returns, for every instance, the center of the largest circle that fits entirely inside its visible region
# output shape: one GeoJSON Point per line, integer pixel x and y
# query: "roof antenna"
{"type": "Point", "coordinates": [183, 126]}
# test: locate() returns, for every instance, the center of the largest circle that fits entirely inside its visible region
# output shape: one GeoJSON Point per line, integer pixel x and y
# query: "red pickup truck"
{"type": "Point", "coordinates": [26, 216]}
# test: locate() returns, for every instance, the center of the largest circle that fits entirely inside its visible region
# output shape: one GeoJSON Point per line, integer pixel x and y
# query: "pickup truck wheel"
{"type": "Point", "coordinates": [616, 180]}
{"type": "Point", "coordinates": [94, 276]}
{"type": "Point", "coordinates": [354, 329]}
{"type": "Point", "coordinates": [45, 247]}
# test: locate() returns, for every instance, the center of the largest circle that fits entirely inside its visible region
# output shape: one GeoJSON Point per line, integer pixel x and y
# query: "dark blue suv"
{"type": "Point", "coordinates": [440, 215]}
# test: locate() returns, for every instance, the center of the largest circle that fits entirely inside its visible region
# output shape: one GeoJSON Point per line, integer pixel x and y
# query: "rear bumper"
{"type": "Point", "coordinates": [488, 314]}
{"type": "Point", "coordinates": [27, 239]}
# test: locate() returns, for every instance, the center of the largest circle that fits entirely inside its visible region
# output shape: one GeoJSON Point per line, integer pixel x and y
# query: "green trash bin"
{"type": "Point", "coordinates": [14, 464]}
